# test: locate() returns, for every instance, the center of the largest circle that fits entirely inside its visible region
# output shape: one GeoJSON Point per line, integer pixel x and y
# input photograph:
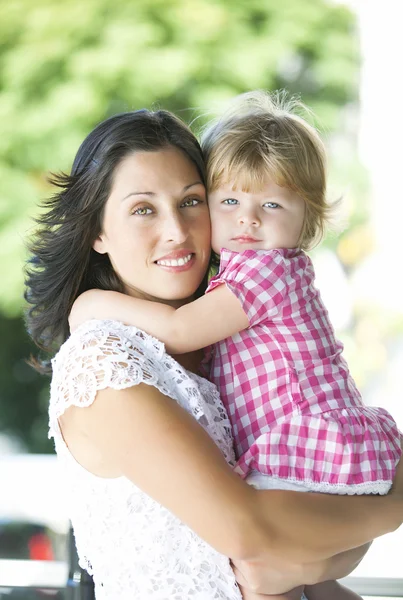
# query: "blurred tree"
{"type": "Point", "coordinates": [64, 66]}
{"type": "Point", "coordinates": [23, 392]}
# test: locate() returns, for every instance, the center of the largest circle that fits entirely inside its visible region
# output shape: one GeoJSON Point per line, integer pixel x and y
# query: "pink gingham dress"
{"type": "Point", "coordinates": [296, 413]}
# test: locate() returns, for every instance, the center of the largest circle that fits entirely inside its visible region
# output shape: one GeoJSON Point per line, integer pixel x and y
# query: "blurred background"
{"type": "Point", "coordinates": [65, 66]}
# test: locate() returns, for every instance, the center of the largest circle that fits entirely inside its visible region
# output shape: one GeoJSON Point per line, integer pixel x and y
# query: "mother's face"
{"type": "Point", "coordinates": [156, 227]}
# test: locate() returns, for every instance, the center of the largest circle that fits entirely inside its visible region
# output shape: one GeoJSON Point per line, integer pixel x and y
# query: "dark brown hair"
{"type": "Point", "coordinates": [63, 263]}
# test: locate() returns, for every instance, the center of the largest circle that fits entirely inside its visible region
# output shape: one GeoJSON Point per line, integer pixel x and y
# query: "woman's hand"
{"type": "Point", "coordinates": [276, 576]}
{"type": "Point", "coordinates": [294, 594]}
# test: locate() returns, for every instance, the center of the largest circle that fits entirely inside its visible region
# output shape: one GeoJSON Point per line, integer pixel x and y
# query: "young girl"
{"type": "Point", "coordinates": [298, 419]}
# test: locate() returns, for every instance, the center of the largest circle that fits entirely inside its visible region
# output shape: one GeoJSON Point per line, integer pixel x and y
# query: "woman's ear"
{"type": "Point", "coordinates": [99, 245]}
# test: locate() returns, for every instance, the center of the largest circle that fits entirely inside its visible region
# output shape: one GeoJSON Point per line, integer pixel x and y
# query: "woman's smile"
{"type": "Point", "coordinates": [179, 260]}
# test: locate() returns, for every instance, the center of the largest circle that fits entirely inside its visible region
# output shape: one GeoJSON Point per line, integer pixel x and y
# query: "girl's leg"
{"type": "Point", "coordinates": [330, 590]}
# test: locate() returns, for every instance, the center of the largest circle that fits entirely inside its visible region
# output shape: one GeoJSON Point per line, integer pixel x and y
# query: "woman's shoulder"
{"type": "Point", "coordinates": [109, 354]}
{"type": "Point", "coordinates": [104, 354]}
{"type": "Point", "coordinates": [109, 336]}
{"type": "Point", "coordinates": [113, 355]}
{"type": "Point", "coordinates": [97, 342]}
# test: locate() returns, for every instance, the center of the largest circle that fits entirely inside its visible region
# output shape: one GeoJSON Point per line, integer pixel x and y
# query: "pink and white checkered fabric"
{"type": "Point", "coordinates": [294, 407]}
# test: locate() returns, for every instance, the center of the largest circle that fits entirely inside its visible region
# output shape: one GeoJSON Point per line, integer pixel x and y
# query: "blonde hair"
{"type": "Point", "coordinates": [261, 135]}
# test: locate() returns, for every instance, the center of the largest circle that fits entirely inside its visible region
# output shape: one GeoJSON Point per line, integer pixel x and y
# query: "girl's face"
{"type": "Point", "coordinates": [270, 218]}
{"type": "Point", "coordinates": [156, 226]}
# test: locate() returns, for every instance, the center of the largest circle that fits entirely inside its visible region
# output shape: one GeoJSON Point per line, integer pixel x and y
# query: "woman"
{"type": "Point", "coordinates": [155, 506]}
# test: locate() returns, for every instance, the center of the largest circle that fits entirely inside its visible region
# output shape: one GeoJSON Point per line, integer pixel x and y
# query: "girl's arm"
{"type": "Point", "coordinates": [208, 320]}
{"type": "Point", "coordinates": [186, 473]}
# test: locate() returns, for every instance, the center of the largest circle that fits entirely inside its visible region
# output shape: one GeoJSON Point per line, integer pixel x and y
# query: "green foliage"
{"type": "Point", "coordinates": [66, 65]}
{"type": "Point", "coordinates": [23, 392]}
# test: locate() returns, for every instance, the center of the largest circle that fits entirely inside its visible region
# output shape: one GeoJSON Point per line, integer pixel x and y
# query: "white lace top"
{"type": "Point", "coordinates": [135, 548]}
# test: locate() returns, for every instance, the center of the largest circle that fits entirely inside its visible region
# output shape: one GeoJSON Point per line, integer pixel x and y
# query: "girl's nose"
{"type": "Point", "coordinates": [249, 218]}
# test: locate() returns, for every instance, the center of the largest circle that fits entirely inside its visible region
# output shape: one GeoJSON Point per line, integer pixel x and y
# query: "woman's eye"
{"type": "Point", "coordinates": [191, 202]}
{"type": "Point", "coordinates": [271, 205]}
{"type": "Point", "coordinates": [142, 211]}
{"type": "Point", "coordinates": [230, 201]}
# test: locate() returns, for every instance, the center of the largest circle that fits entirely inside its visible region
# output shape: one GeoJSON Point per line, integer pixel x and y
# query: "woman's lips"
{"type": "Point", "coordinates": [177, 261]}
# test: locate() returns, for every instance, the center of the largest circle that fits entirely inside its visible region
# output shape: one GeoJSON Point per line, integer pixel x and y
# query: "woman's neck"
{"type": "Point", "coordinates": [190, 361]}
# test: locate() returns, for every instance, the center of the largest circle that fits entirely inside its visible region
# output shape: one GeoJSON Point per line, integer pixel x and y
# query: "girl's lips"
{"type": "Point", "coordinates": [245, 239]}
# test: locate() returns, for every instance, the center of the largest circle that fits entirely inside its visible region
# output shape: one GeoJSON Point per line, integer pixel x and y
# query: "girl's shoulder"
{"type": "Point", "coordinates": [259, 279]}
{"type": "Point", "coordinates": [251, 261]}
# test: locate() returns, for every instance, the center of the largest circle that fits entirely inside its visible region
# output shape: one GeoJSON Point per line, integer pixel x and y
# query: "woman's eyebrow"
{"type": "Point", "coordinates": [185, 189]}
{"type": "Point", "coordinates": [151, 194]}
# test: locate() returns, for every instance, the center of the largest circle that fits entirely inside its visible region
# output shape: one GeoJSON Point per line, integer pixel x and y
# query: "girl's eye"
{"type": "Point", "coordinates": [142, 211]}
{"type": "Point", "coordinates": [230, 201]}
{"type": "Point", "coordinates": [191, 202]}
{"type": "Point", "coordinates": [271, 205]}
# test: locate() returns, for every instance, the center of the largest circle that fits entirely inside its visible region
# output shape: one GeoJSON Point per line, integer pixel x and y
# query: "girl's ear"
{"type": "Point", "coordinates": [99, 245]}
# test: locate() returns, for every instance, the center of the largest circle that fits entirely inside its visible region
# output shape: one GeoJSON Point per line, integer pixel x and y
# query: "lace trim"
{"type": "Point", "coordinates": [367, 487]}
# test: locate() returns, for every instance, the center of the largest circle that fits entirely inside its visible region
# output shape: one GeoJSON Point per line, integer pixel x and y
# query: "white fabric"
{"type": "Point", "coordinates": [134, 548]}
{"type": "Point", "coordinates": [266, 482]}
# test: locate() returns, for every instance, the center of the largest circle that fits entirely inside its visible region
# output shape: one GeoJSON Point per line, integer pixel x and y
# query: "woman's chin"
{"type": "Point", "coordinates": [178, 286]}
{"type": "Point", "coordinates": [177, 296]}
{"type": "Point", "coordinates": [173, 293]}
{"type": "Point", "coordinates": [166, 284]}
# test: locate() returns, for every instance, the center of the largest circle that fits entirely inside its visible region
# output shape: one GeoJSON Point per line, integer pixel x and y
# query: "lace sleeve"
{"type": "Point", "coordinates": [102, 354]}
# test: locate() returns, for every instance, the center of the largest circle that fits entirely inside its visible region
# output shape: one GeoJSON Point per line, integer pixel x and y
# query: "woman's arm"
{"type": "Point", "coordinates": [147, 437]}
{"type": "Point", "coordinates": [332, 524]}
{"type": "Point", "coordinates": [207, 320]}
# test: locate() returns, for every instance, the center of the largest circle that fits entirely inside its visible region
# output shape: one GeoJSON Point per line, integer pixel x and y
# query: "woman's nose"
{"type": "Point", "coordinates": [176, 229]}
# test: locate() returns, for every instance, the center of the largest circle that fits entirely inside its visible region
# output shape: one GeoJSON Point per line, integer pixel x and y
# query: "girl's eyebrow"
{"type": "Point", "coordinates": [151, 194]}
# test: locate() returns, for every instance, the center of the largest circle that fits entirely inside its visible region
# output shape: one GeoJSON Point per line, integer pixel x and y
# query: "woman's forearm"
{"type": "Point", "coordinates": [309, 527]}
{"type": "Point", "coordinates": [338, 566]}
